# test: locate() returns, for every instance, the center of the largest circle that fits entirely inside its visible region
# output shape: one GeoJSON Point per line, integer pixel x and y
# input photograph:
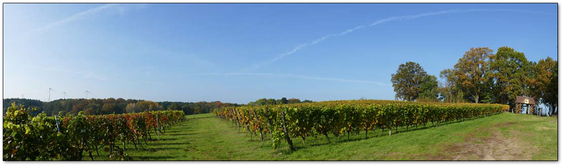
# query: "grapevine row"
{"type": "Point", "coordinates": [349, 116]}
{"type": "Point", "coordinates": [69, 137]}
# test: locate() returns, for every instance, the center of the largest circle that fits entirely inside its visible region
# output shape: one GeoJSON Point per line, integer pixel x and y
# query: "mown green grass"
{"type": "Point", "coordinates": [204, 137]}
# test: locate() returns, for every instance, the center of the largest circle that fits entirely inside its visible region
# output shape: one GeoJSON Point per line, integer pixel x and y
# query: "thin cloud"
{"type": "Point", "coordinates": [81, 16]}
{"type": "Point", "coordinates": [87, 75]}
{"type": "Point", "coordinates": [381, 21]}
{"type": "Point", "coordinates": [305, 45]}
{"type": "Point", "coordinates": [291, 76]}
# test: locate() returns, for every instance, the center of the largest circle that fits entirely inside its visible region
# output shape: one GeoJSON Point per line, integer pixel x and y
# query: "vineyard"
{"type": "Point", "coordinates": [284, 122]}
{"type": "Point", "coordinates": [70, 137]}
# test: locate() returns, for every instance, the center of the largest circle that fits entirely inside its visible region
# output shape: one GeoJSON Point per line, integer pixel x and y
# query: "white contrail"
{"type": "Point", "coordinates": [299, 47]}
{"type": "Point", "coordinates": [75, 17]}
{"type": "Point", "coordinates": [79, 16]}
{"type": "Point", "coordinates": [120, 9]}
{"type": "Point", "coordinates": [395, 18]}
{"type": "Point", "coordinates": [290, 76]}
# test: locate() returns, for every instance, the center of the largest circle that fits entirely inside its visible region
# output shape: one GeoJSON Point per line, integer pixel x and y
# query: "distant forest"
{"type": "Point", "coordinates": [110, 106]}
{"type": "Point", "coordinates": [120, 106]}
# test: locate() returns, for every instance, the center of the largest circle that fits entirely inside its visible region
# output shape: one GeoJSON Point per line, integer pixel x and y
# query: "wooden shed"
{"type": "Point", "coordinates": [530, 102]}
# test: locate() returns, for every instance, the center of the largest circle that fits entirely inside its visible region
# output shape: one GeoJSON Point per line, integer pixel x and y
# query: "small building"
{"type": "Point", "coordinates": [527, 101]}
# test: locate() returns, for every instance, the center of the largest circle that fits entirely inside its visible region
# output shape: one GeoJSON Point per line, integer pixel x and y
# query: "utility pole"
{"type": "Point", "coordinates": [50, 89]}
{"type": "Point", "coordinates": [87, 93]}
{"type": "Point", "coordinates": [64, 95]}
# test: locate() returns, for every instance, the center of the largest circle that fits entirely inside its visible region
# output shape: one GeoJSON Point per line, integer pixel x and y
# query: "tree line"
{"type": "Point", "coordinates": [110, 106]}
{"type": "Point", "coordinates": [120, 105]}
{"type": "Point", "coordinates": [481, 76]}
{"type": "Point", "coordinates": [283, 100]}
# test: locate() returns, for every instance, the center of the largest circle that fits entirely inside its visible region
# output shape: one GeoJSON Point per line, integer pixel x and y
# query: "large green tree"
{"type": "Point", "coordinates": [429, 88]}
{"type": "Point", "coordinates": [554, 90]}
{"type": "Point", "coordinates": [544, 84]}
{"type": "Point", "coordinates": [470, 72]}
{"type": "Point", "coordinates": [408, 80]}
{"type": "Point", "coordinates": [450, 90]}
{"type": "Point", "coordinates": [507, 71]}
{"type": "Point", "coordinates": [284, 100]}
{"type": "Point", "coordinates": [293, 100]}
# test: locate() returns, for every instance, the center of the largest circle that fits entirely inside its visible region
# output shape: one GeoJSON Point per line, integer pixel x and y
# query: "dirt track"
{"type": "Point", "coordinates": [492, 147]}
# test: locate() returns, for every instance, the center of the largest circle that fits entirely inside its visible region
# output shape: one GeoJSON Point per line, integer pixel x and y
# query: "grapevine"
{"type": "Point", "coordinates": [70, 137]}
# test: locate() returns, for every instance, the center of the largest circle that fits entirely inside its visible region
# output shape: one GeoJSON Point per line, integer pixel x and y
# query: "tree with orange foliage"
{"type": "Point", "coordinates": [470, 71]}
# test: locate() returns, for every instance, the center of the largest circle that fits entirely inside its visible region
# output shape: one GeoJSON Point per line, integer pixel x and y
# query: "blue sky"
{"type": "Point", "coordinates": [242, 52]}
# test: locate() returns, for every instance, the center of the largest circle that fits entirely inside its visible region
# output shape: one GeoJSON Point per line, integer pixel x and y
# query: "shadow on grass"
{"type": "Point", "coordinates": [321, 141]}
{"type": "Point", "coordinates": [152, 158]}
{"type": "Point", "coordinates": [181, 134]}
{"type": "Point", "coordinates": [161, 139]}
{"type": "Point", "coordinates": [171, 143]}
{"type": "Point", "coordinates": [159, 149]}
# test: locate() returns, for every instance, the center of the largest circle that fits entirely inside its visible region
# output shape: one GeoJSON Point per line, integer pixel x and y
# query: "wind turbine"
{"type": "Point", "coordinates": [64, 95]}
{"type": "Point", "coordinates": [50, 89]}
{"type": "Point", "coordinates": [87, 92]}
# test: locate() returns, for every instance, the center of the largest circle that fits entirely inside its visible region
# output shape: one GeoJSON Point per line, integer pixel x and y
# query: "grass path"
{"type": "Point", "coordinates": [501, 137]}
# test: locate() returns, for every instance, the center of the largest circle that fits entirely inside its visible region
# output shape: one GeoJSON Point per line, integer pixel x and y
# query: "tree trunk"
{"type": "Point", "coordinates": [236, 118]}
{"type": "Point", "coordinates": [91, 157]}
{"type": "Point", "coordinates": [259, 127]}
{"type": "Point", "coordinates": [269, 126]}
{"type": "Point", "coordinates": [286, 133]}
